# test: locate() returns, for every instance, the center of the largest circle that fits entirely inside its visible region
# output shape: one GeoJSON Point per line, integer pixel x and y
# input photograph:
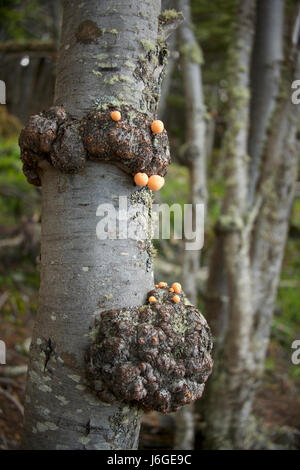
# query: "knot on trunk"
{"type": "Point", "coordinates": [156, 357]}
{"type": "Point", "coordinates": [67, 143]}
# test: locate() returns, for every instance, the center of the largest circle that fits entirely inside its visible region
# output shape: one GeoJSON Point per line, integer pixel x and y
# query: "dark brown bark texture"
{"type": "Point", "coordinates": [157, 356]}
{"type": "Point", "coordinates": [67, 143]}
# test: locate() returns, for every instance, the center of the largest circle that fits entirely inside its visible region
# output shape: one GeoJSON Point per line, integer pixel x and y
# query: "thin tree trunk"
{"type": "Point", "coordinates": [194, 155]}
{"type": "Point", "coordinates": [81, 275]}
{"type": "Point", "coordinates": [195, 146]}
{"type": "Point", "coordinates": [265, 79]}
{"type": "Point", "coordinates": [277, 190]}
{"type": "Point", "coordinates": [227, 410]}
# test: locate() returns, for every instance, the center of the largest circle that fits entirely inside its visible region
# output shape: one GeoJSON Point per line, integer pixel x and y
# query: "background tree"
{"type": "Point", "coordinates": [253, 239]}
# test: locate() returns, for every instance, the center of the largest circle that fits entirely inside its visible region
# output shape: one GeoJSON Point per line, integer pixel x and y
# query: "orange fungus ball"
{"type": "Point", "coordinates": [152, 299]}
{"type": "Point", "coordinates": [156, 182]}
{"type": "Point", "coordinates": [176, 299]}
{"type": "Point", "coordinates": [177, 287]}
{"type": "Point", "coordinates": [115, 115]}
{"type": "Point", "coordinates": [162, 284]}
{"type": "Point", "coordinates": [157, 127]}
{"type": "Point", "coordinates": [141, 179]}
{"type": "Point", "coordinates": [171, 289]}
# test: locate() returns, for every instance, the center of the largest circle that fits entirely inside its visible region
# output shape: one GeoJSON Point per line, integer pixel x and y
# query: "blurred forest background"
{"type": "Point", "coordinates": [29, 34]}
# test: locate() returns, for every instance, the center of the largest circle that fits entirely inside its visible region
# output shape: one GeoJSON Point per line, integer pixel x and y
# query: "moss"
{"type": "Point", "coordinates": [170, 15]}
{"type": "Point", "coordinates": [112, 80]}
{"type": "Point", "coordinates": [97, 73]}
{"type": "Point", "coordinates": [148, 46]}
{"type": "Point", "coordinates": [125, 78]}
{"type": "Point", "coordinates": [101, 56]}
{"type": "Point", "coordinates": [129, 64]}
{"type": "Point", "coordinates": [230, 222]}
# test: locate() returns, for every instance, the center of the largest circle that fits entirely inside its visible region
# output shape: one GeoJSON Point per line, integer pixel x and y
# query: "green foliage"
{"type": "Point", "coordinates": [177, 187]}
{"type": "Point", "coordinates": [213, 22]}
{"type": "Point", "coordinates": [15, 15]}
{"type": "Point", "coordinates": [19, 275]}
{"type": "Point", "coordinates": [17, 197]}
{"type": "Point", "coordinates": [286, 325]}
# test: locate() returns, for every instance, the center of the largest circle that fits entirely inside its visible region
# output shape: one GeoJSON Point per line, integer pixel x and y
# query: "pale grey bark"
{"type": "Point", "coordinates": [265, 78]}
{"type": "Point", "coordinates": [81, 275]}
{"type": "Point", "coordinates": [107, 70]}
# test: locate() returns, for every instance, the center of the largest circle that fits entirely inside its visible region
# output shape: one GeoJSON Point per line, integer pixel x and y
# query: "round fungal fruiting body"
{"type": "Point", "coordinates": [171, 289]}
{"type": "Point", "coordinates": [152, 299]}
{"type": "Point", "coordinates": [162, 284]}
{"type": "Point", "coordinates": [177, 287]}
{"type": "Point", "coordinates": [176, 299]}
{"type": "Point", "coordinates": [115, 115]}
{"type": "Point", "coordinates": [156, 182]}
{"type": "Point", "coordinates": [157, 127]}
{"type": "Point", "coordinates": [141, 179]}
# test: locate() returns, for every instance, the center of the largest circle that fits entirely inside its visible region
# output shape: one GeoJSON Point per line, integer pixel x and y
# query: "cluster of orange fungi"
{"type": "Point", "coordinates": [176, 288]}
{"type": "Point", "coordinates": [154, 182]}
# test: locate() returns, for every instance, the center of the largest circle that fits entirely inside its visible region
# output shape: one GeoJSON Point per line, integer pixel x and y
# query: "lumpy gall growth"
{"type": "Point", "coordinates": [157, 356]}
{"type": "Point", "coordinates": [68, 143]}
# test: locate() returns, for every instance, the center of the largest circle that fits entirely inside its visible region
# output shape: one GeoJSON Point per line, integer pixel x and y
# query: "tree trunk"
{"type": "Point", "coordinates": [265, 78]}
{"type": "Point", "coordinates": [227, 409]}
{"type": "Point", "coordinates": [101, 51]}
{"type": "Point", "coordinates": [277, 187]}
{"type": "Point", "coordinates": [194, 155]}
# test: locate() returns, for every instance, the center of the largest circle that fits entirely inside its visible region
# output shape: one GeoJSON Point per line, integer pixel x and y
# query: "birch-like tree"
{"type": "Point", "coordinates": [111, 54]}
